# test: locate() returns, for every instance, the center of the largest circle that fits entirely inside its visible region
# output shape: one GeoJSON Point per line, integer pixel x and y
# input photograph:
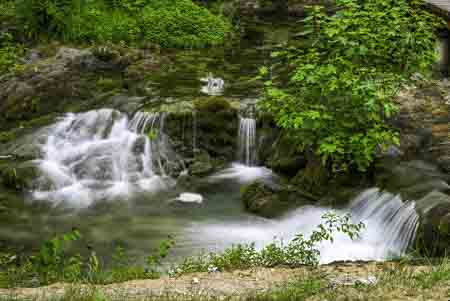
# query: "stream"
{"type": "Point", "coordinates": [110, 175]}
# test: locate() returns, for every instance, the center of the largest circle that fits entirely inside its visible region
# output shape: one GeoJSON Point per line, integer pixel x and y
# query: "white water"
{"type": "Point", "coordinates": [101, 155]}
{"type": "Point", "coordinates": [214, 86]}
{"type": "Point", "coordinates": [390, 227]}
{"type": "Point", "coordinates": [247, 141]}
{"type": "Point", "coordinates": [242, 174]}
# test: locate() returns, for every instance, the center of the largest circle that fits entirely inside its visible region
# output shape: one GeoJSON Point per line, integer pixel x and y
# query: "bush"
{"type": "Point", "coordinates": [177, 23]}
{"type": "Point", "coordinates": [181, 23]}
{"type": "Point", "coordinates": [345, 75]}
{"type": "Point", "coordinates": [9, 54]}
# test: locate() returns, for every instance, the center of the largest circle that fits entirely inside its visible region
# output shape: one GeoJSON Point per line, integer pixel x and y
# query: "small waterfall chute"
{"type": "Point", "coordinates": [247, 141]}
{"type": "Point", "coordinates": [214, 86]}
{"type": "Point", "coordinates": [103, 154]}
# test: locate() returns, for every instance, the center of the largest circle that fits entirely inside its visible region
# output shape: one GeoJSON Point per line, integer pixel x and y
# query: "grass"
{"type": "Point", "coordinates": [402, 281]}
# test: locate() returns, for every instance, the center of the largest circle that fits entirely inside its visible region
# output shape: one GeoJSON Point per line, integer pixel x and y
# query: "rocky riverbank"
{"type": "Point", "coordinates": [340, 281]}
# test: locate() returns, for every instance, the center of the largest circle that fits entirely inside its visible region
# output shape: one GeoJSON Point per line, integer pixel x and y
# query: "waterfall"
{"type": "Point", "coordinates": [194, 132]}
{"type": "Point", "coordinates": [214, 86]}
{"type": "Point", "coordinates": [247, 141]}
{"type": "Point", "coordinates": [391, 226]}
{"type": "Point", "coordinates": [101, 155]}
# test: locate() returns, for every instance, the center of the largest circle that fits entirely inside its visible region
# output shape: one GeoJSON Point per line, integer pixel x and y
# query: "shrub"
{"type": "Point", "coordinates": [345, 75]}
{"type": "Point", "coordinates": [181, 23]}
{"type": "Point", "coordinates": [177, 23]}
{"type": "Point", "coordinates": [9, 54]}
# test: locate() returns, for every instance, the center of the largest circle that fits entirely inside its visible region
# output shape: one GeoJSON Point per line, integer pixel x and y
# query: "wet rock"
{"type": "Point", "coordinates": [216, 127]}
{"type": "Point", "coordinates": [284, 158]}
{"type": "Point", "coordinates": [125, 103]}
{"type": "Point", "coordinates": [260, 199]}
{"type": "Point", "coordinates": [433, 238]}
{"type": "Point", "coordinates": [201, 165]}
{"type": "Point", "coordinates": [412, 179]}
{"type": "Point", "coordinates": [270, 200]}
{"type": "Point", "coordinates": [190, 198]}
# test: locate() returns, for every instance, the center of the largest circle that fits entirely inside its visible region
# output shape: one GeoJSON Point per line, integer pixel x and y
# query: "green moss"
{"type": "Point", "coordinates": [108, 84]}
{"type": "Point", "coordinates": [212, 104]}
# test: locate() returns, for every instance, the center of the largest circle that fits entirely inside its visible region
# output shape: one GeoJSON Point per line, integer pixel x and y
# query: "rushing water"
{"type": "Point", "coordinates": [247, 141]}
{"type": "Point", "coordinates": [102, 155]}
{"type": "Point", "coordinates": [390, 226]}
{"type": "Point", "coordinates": [110, 176]}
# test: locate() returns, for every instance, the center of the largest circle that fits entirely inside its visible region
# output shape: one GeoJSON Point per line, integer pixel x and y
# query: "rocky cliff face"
{"type": "Point", "coordinates": [424, 122]}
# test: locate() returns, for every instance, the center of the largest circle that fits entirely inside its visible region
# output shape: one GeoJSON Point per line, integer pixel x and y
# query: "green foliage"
{"type": "Point", "coordinates": [345, 75]}
{"type": "Point", "coordinates": [181, 23]}
{"type": "Point", "coordinates": [56, 261]}
{"type": "Point", "coordinates": [176, 23]}
{"type": "Point", "coordinates": [298, 252]}
{"type": "Point", "coordinates": [52, 261]}
{"type": "Point", "coordinates": [46, 16]}
{"type": "Point", "coordinates": [9, 54]}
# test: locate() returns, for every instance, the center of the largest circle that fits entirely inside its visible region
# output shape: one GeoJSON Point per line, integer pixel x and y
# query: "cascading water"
{"type": "Point", "coordinates": [101, 155]}
{"type": "Point", "coordinates": [246, 169]}
{"type": "Point", "coordinates": [247, 141]}
{"type": "Point", "coordinates": [390, 227]}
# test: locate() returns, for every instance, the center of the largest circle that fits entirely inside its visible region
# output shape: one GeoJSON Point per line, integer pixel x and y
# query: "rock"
{"type": "Point", "coordinates": [269, 201]}
{"type": "Point", "coordinates": [424, 121]}
{"type": "Point", "coordinates": [348, 280]}
{"type": "Point", "coordinates": [433, 238]}
{"type": "Point", "coordinates": [202, 164]}
{"type": "Point", "coordinates": [187, 197]}
{"type": "Point", "coordinates": [125, 103]}
{"type": "Point", "coordinates": [412, 179]}
{"type": "Point", "coordinates": [284, 158]}
{"type": "Point", "coordinates": [18, 175]}
{"type": "Point", "coordinates": [195, 280]}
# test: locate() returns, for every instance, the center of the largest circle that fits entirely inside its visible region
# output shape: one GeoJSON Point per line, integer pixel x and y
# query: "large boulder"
{"type": "Point", "coordinates": [433, 237]}
{"type": "Point", "coordinates": [272, 200]}
{"type": "Point", "coordinates": [262, 200]}
{"type": "Point", "coordinates": [413, 179]}
{"type": "Point", "coordinates": [70, 80]}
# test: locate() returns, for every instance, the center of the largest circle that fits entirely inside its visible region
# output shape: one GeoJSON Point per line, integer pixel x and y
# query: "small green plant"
{"type": "Point", "coordinates": [52, 262]}
{"type": "Point", "coordinates": [152, 134]}
{"type": "Point", "coordinates": [154, 261]}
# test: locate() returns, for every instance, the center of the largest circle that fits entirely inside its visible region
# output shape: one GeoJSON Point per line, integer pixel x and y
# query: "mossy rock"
{"type": "Point", "coordinates": [212, 104]}
{"type": "Point", "coordinates": [270, 200]}
{"type": "Point", "coordinates": [413, 179]}
{"type": "Point", "coordinates": [433, 237]}
{"type": "Point", "coordinates": [18, 176]}
{"type": "Point", "coordinates": [284, 157]}
{"type": "Point", "coordinates": [202, 164]}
